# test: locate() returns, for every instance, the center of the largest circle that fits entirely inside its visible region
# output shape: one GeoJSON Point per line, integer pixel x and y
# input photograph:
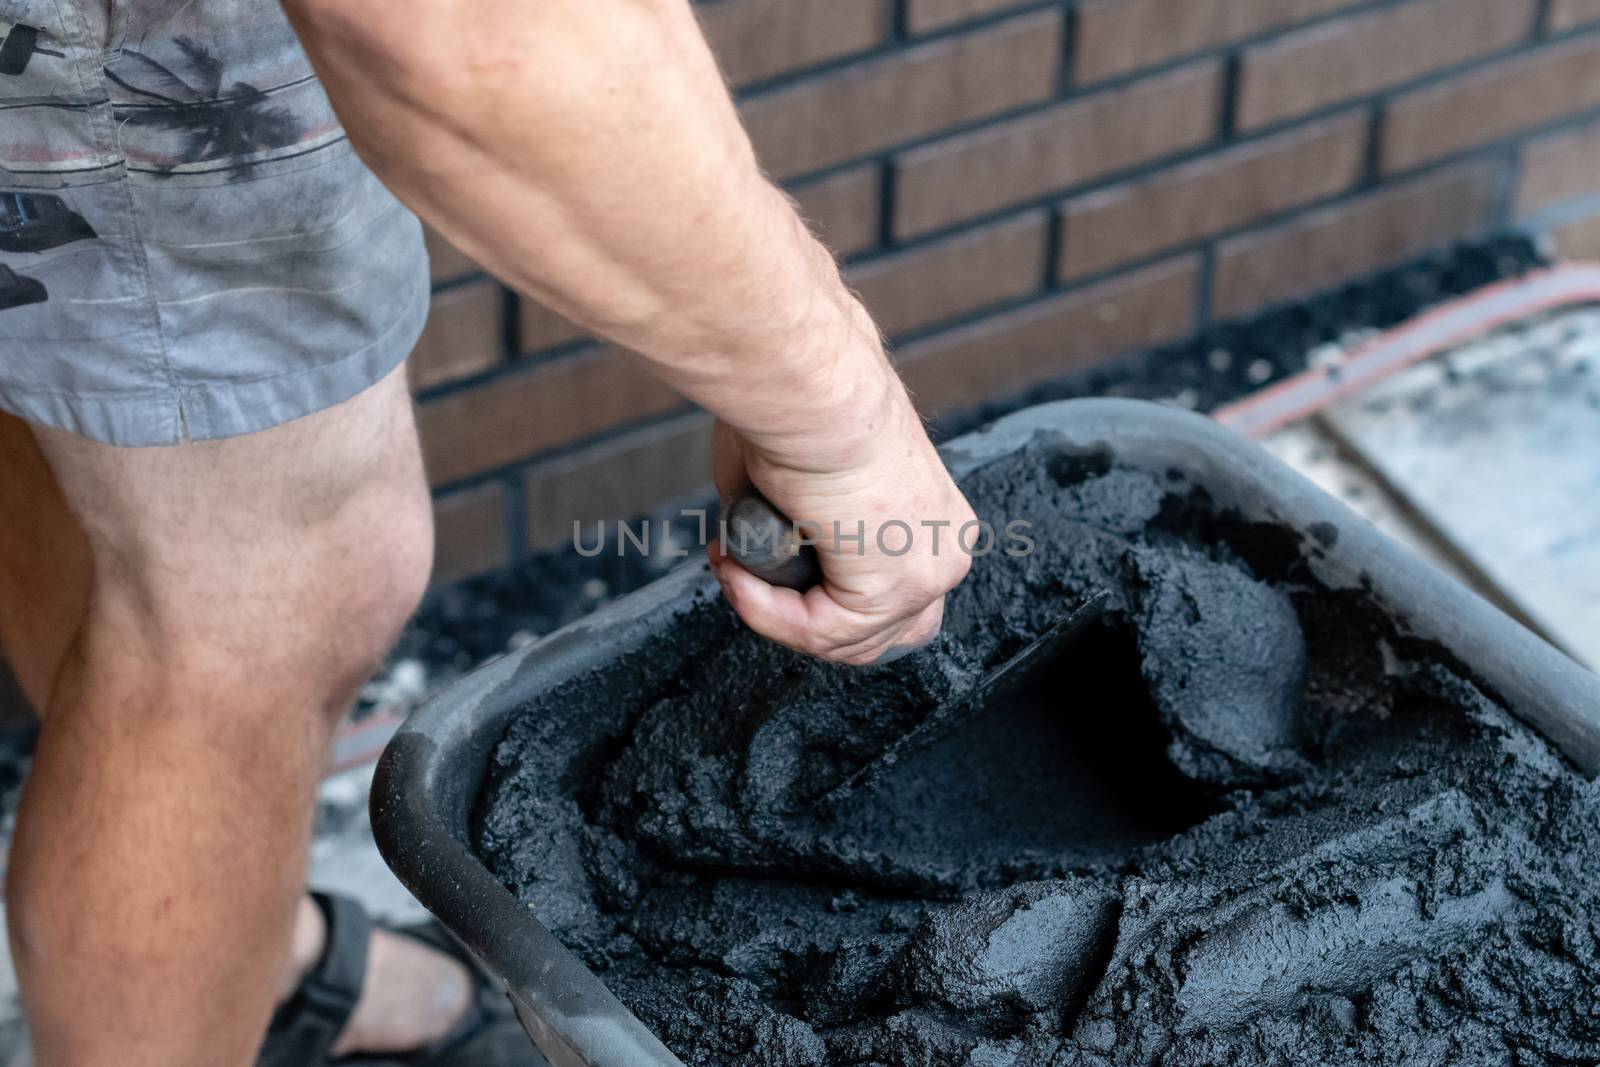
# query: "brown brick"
{"type": "Point", "coordinates": [1562, 166]}
{"type": "Point", "coordinates": [876, 104]}
{"type": "Point", "coordinates": [1118, 36]}
{"type": "Point", "coordinates": [953, 277]}
{"type": "Point", "coordinates": [974, 173]}
{"type": "Point", "coordinates": [925, 15]}
{"type": "Point", "coordinates": [462, 336]}
{"type": "Point", "coordinates": [1568, 14]}
{"type": "Point", "coordinates": [1218, 193]}
{"type": "Point", "coordinates": [843, 208]}
{"type": "Point", "coordinates": [469, 532]}
{"type": "Point", "coordinates": [756, 39]}
{"type": "Point", "coordinates": [1007, 353]}
{"type": "Point", "coordinates": [546, 405]}
{"type": "Point", "coordinates": [1347, 239]}
{"type": "Point", "coordinates": [539, 327]}
{"type": "Point", "coordinates": [1351, 57]}
{"type": "Point", "coordinates": [1579, 240]}
{"type": "Point", "coordinates": [444, 260]}
{"type": "Point", "coordinates": [619, 480]}
{"type": "Point", "coordinates": [1491, 103]}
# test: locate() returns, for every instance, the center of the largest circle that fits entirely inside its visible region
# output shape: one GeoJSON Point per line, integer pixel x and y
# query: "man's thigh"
{"type": "Point", "coordinates": [253, 546]}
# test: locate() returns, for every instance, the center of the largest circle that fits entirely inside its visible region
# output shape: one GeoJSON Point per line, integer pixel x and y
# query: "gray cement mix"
{"type": "Point", "coordinates": [1243, 821]}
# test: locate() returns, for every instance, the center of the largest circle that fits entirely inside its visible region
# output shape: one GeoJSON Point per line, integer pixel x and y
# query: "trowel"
{"type": "Point", "coordinates": [767, 544]}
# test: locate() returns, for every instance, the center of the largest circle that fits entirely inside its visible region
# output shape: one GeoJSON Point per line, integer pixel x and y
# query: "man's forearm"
{"type": "Point", "coordinates": [587, 152]}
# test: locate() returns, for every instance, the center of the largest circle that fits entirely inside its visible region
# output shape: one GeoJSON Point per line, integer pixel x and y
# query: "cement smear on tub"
{"type": "Point", "coordinates": [1242, 822]}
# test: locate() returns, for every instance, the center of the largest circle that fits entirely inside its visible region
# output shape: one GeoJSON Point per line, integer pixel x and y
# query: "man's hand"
{"type": "Point", "coordinates": [885, 490]}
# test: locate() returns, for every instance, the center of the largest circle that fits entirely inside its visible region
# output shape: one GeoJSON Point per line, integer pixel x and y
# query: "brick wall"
{"type": "Point", "coordinates": [1023, 189]}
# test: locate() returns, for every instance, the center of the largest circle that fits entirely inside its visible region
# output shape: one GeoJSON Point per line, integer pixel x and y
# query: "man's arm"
{"type": "Point", "coordinates": [587, 152]}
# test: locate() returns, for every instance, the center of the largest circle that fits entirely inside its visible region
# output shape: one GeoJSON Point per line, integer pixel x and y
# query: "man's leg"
{"type": "Point", "coordinates": [44, 564]}
{"type": "Point", "coordinates": [241, 590]}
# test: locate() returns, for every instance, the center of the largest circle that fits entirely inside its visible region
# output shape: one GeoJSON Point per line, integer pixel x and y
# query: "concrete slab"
{"type": "Point", "coordinates": [1315, 452]}
{"type": "Point", "coordinates": [1497, 446]}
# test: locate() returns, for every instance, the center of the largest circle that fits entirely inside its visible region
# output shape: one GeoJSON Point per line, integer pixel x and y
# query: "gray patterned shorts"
{"type": "Point", "coordinates": [189, 249]}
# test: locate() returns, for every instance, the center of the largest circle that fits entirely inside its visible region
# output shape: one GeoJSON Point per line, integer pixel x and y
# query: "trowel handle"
{"type": "Point", "coordinates": [764, 541]}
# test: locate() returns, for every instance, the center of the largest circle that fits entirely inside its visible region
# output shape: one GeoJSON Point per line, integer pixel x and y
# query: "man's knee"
{"type": "Point", "coordinates": [361, 592]}
{"type": "Point", "coordinates": [373, 586]}
{"type": "Point", "coordinates": [284, 560]}
{"type": "Point", "coordinates": [301, 615]}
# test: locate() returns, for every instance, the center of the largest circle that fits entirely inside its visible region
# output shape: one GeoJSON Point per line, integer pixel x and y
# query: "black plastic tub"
{"type": "Point", "coordinates": [431, 773]}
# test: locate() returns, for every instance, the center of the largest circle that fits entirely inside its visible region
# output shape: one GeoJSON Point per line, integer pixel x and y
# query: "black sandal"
{"type": "Point", "coordinates": [307, 1025]}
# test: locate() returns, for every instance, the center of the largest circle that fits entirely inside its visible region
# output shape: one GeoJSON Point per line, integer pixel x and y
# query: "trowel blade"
{"type": "Point", "coordinates": [1014, 672]}
{"type": "Point", "coordinates": [1039, 652]}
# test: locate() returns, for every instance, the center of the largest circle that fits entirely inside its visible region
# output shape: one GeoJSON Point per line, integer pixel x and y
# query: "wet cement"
{"type": "Point", "coordinates": [1242, 821]}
